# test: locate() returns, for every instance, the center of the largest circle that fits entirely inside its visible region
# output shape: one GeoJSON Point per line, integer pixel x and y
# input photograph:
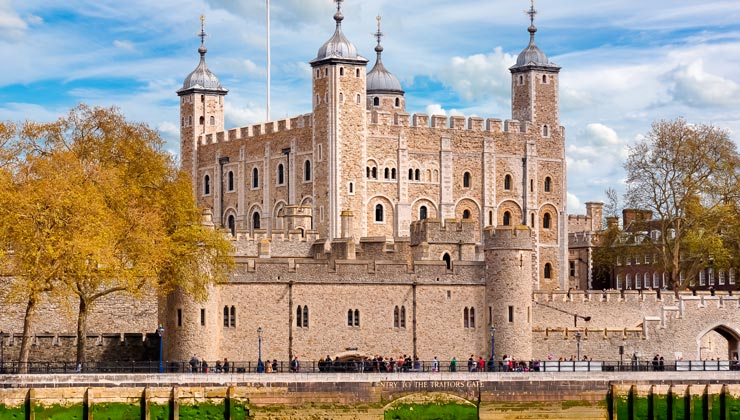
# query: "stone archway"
{"type": "Point", "coordinates": [719, 343]}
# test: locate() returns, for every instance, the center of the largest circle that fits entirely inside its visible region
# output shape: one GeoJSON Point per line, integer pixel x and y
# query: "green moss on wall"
{"type": "Point", "coordinates": [432, 412]}
{"type": "Point", "coordinates": [12, 413]}
{"type": "Point", "coordinates": [116, 411]}
{"type": "Point", "coordinates": [203, 411]}
{"type": "Point", "coordinates": [159, 411]}
{"type": "Point", "coordinates": [660, 407]}
{"type": "Point", "coordinates": [59, 412]}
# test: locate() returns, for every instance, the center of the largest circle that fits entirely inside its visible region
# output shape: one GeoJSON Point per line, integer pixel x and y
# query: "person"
{"type": "Point", "coordinates": [295, 366]}
{"type": "Point", "coordinates": [226, 365]}
{"type": "Point", "coordinates": [453, 364]}
{"type": "Point", "coordinates": [204, 366]}
{"type": "Point", "coordinates": [656, 361]}
{"type": "Point", "coordinates": [194, 362]}
{"type": "Point", "coordinates": [417, 364]}
{"type": "Point", "coordinates": [491, 365]}
{"type": "Point", "coordinates": [435, 364]}
{"type": "Point", "coordinates": [218, 368]}
{"type": "Point", "coordinates": [269, 366]}
{"type": "Point", "coordinates": [481, 364]}
{"type": "Point", "coordinates": [661, 364]}
{"type": "Point", "coordinates": [275, 365]}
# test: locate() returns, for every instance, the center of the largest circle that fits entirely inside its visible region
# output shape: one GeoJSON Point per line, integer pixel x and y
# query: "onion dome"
{"type": "Point", "coordinates": [532, 56]}
{"type": "Point", "coordinates": [338, 46]}
{"type": "Point", "coordinates": [380, 80]}
{"type": "Point", "coordinates": [202, 78]}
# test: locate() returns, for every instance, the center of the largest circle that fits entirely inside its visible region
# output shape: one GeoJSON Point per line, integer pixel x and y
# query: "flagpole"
{"type": "Point", "coordinates": [268, 60]}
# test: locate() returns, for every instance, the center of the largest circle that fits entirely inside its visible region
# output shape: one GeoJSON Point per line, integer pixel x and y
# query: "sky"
{"type": "Point", "coordinates": [625, 63]}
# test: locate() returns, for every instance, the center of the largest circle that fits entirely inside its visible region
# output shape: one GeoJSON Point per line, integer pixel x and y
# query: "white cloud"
{"type": "Point", "coordinates": [480, 75]}
{"type": "Point", "coordinates": [243, 116]}
{"type": "Point", "coordinates": [124, 45]}
{"type": "Point", "coordinates": [697, 88]}
{"type": "Point", "coordinates": [435, 109]}
{"type": "Point", "coordinates": [574, 204]}
{"type": "Point", "coordinates": [11, 25]}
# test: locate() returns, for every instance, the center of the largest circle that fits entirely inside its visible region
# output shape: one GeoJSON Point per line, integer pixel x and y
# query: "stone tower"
{"type": "Point", "coordinates": [201, 110]}
{"type": "Point", "coordinates": [339, 95]}
{"type": "Point", "coordinates": [508, 252]}
{"type": "Point", "coordinates": [534, 103]}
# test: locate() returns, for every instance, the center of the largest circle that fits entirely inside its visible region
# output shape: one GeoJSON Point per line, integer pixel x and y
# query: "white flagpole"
{"type": "Point", "coordinates": [268, 60]}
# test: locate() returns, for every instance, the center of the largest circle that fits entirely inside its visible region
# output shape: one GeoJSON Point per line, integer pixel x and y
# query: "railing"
{"type": "Point", "coordinates": [368, 366]}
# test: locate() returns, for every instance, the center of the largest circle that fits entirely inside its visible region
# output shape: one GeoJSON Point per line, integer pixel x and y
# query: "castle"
{"type": "Point", "coordinates": [360, 226]}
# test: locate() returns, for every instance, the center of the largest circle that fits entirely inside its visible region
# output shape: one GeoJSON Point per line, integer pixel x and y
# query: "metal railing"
{"type": "Point", "coordinates": [367, 366]}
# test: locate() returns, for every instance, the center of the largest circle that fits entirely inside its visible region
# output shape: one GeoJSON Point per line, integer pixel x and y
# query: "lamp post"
{"type": "Point", "coordinates": [160, 333]}
{"type": "Point", "coordinates": [578, 345]}
{"type": "Point", "coordinates": [493, 347]}
{"type": "Point", "coordinates": [260, 366]}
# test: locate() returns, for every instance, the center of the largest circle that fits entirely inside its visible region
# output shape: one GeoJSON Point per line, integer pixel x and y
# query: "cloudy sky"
{"type": "Point", "coordinates": [625, 63]}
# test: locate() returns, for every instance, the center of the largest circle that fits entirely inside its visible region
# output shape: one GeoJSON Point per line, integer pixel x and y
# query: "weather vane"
{"type": "Point", "coordinates": [339, 4]}
{"type": "Point", "coordinates": [379, 35]}
{"type": "Point", "coordinates": [532, 13]}
{"type": "Point", "coordinates": [202, 33]}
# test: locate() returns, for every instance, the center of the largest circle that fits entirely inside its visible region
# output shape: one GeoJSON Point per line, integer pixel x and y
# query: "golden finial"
{"type": "Point", "coordinates": [378, 18]}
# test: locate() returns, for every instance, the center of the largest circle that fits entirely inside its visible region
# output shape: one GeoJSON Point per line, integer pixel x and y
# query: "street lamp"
{"type": "Point", "coordinates": [493, 347]}
{"type": "Point", "coordinates": [260, 365]}
{"type": "Point", "coordinates": [160, 333]}
{"type": "Point", "coordinates": [578, 344]}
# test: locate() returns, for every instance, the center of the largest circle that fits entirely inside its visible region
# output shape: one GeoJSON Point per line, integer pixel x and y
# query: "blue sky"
{"type": "Point", "coordinates": [625, 63]}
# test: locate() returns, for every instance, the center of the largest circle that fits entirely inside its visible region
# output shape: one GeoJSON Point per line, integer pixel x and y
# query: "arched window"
{"type": "Point", "coordinates": [422, 212]}
{"type": "Point", "coordinates": [226, 317]}
{"type": "Point", "coordinates": [374, 173]}
{"type": "Point", "coordinates": [403, 317]}
{"type": "Point", "coordinates": [230, 181]}
{"type": "Point", "coordinates": [230, 221]}
{"type": "Point", "coordinates": [376, 101]}
{"type": "Point", "coordinates": [417, 175]}
{"type": "Point", "coordinates": [472, 318]}
{"type": "Point", "coordinates": [507, 218]}
{"type": "Point", "coordinates": [466, 180]}
{"type": "Point", "coordinates": [213, 120]}
{"type": "Point", "coordinates": [396, 317]}
{"type": "Point", "coordinates": [202, 120]}
{"type": "Point", "coordinates": [466, 318]}
{"type": "Point", "coordinates": [545, 131]}
{"type": "Point", "coordinates": [507, 182]}
{"type": "Point", "coordinates": [393, 173]}
{"type": "Point", "coordinates": [398, 102]}
{"type": "Point", "coordinates": [546, 221]}
{"type": "Point", "coordinates": [544, 78]}
{"type": "Point", "coordinates": [255, 220]}
{"type": "Point", "coordinates": [411, 174]}
{"type": "Point", "coordinates": [281, 174]}
{"type": "Point", "coordinates": [357, 72]}
{"type": "Point", "coordinates": [350, 318]}
{"type": "Point", "coordinates": [548, 184]}
{"type": "Point", "coordinates": [386, 173]}
{"type": "Point", "coordinates": [638, 281]}
{"type": "Point", "coordinates": [305, 317]}
{"type": "Point", "coordinates": [299, 316]}
{"type": "Point", "coordinates": [307, 170]}
{"type": "Point", "coordinates": [206, 185]}
{"type": "Point", "coordinates": [448, 260]}
{"type": "Point", "coordinates": [255, 178]}
{"type": "Point", "coordinates": [357, 317]}
{"type": "Point", "coordinates": [490, 218]}
{"type": "Point", "coordinates": [358, 99]}
{"type": "Point", "coordinates": [521, 80]}
{"type": "Point", "coordinates": [190, 120]}
{"type": "Point", "coordinates": [466, 214]}
{"type": "Point", "coordinates": [548, 271]}
{"type": "Point", "coordinates": [628, 281]}
{"type": "Point", "coordinates": [532, 220]}
{"type": "Point", "coordinates": [341, 97]}
{"type": "Point", "coordinates": [341, 71]}
{"type": "Point", "coordinates": [379, 213]}
{"type": "Point", "coordinates": [367, 172]}
{"type": "Point", "coordinates": [233, 317]}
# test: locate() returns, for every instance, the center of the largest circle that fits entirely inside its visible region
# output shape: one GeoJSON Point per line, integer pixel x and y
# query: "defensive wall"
{"type": "Point", "coordinates": [463, 396]}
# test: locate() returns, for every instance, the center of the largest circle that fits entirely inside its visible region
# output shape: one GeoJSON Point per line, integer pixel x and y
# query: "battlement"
{"type": "Point", "coordinates": [581, 239]}
{"type": "Point", "coordinates": [508, 238]}
{"type": "Point", "coordinates": [257, 130]}
{"type": "Point", "coordinates": [434, 231]}
{"type": "Point", "coordinates": [490, 125]}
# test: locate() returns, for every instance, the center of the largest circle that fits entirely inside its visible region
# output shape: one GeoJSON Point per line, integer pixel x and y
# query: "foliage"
{"type": "Point", "coordinates": [92, 205]}
{"type": "Point", "coordinates": [685, 174]}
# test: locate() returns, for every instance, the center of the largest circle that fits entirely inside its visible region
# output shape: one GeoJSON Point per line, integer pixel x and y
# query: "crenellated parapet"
{"type": "Point", "coordinates": [434, 231]}
{"type": "Point", "coordinates": [257, 130]}
{"type": "Point", "coordinates": [476, 124]}
{"type": "Point", "coordinates": [508, 238]}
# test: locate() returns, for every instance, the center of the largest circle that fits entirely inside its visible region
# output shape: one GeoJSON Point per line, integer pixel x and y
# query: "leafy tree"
{"type": "Point", "coordinates": [681, 173]}
{"type": "Point", "coordinates": [133, 223]}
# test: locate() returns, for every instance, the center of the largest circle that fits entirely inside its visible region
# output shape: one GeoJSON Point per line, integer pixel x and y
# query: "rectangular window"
{"type": "Point", "coordinates": [490, 315]}
{"type": "Point", "coordinates": [619, 281]}
{"type": "Point", "coordinates": [321, 153]}
{"type": "Point", "coordinates": [702, 278]}
{"type": "Point", "coordinates": [711, 276]}
{"type": "Point", "coordinates": [656, 281]}
{"type": "Point", "coordinates": [511, 314]}
{"type": "Point", "coordinates": [647, 258]}
{"type": "Point", "coordinates": [203, 317]}
{"type": "Point", "coordinates": [619, 260]}
{"type": "Point", "coordinates": [179, 317]}
{"type": "Point", "coordinates": [732, 276]}
{"type": "Point", "coordinates": [629, 260]}
{"type": "Point", "coordinates": [721, 277]}
{"type": "Point", "coordinates": [321, 214]}
{"type": "Point", "coordinates": [665, 280]}
{"type": "Point", "coordinates": [572, 268]}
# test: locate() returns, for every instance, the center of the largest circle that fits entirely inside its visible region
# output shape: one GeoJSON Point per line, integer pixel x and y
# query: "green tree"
{"type": "Point", "coordinates": [130, 220]}
{"type": "Point", "coordinates": [680, 172]}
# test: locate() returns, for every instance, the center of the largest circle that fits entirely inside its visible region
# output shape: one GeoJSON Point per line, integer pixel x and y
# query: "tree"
{"type": "Point", "coordinates": [680, 172]}
{"type": "Point", "coordinates": [136, 226]}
